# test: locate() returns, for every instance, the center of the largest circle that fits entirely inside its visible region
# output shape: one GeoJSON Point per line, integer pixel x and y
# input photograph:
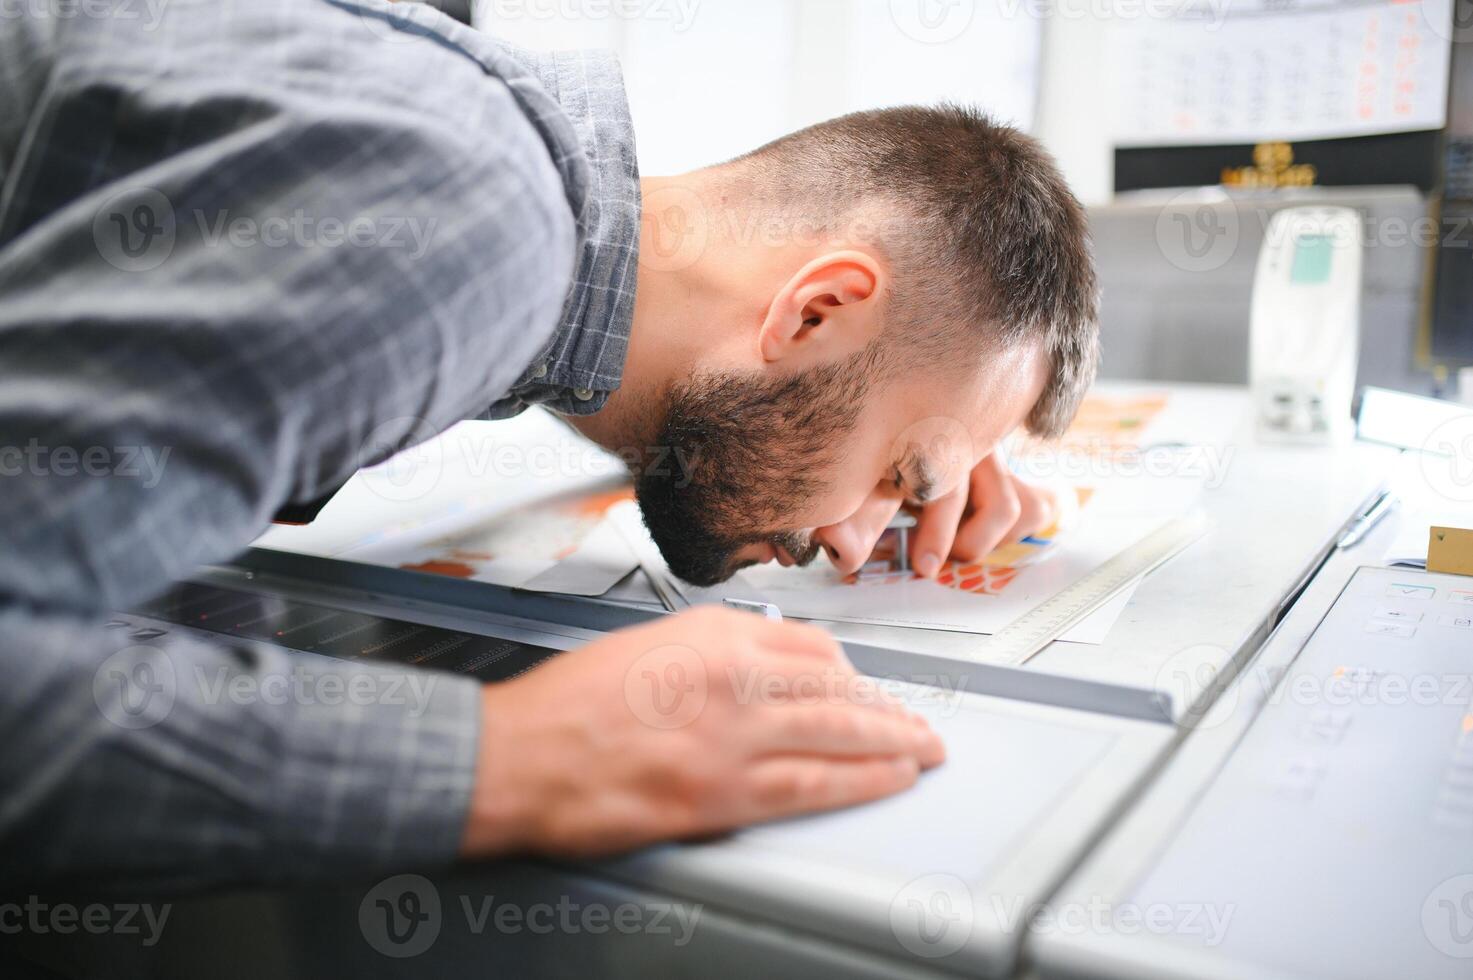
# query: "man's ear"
{"type": "Point", "coordinates": [826, 310]}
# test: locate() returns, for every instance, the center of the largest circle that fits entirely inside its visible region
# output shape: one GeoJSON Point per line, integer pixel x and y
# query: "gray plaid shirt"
{"type": "Point", "coordinates": [244, 245]}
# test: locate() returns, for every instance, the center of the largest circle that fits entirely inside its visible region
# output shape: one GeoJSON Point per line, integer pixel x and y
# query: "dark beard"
{"type": "Point", "coordinates": [749, 447]}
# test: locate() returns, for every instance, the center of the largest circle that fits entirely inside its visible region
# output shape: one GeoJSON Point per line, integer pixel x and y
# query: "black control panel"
{"type": "Point", "coordinates": [329, 631]}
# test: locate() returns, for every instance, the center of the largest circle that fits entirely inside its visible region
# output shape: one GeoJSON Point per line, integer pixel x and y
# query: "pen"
{"type": "Point", "coordinates": [1363, 524]}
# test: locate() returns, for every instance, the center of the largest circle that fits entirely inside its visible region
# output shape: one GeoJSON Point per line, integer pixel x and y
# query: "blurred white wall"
{"type": "Point", "coordinates": [1074, 112]}
{"type": "Point", "coordinates": [709, 79]}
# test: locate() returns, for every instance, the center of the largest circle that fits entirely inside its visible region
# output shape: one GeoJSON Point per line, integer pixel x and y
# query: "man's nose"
{"type": "Point", "coordinates": [850, 542]}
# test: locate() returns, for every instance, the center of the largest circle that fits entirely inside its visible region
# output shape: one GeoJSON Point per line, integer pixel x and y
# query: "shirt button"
{"type": "Point", "coordinates": [540, 371]}
{"type": "Point", "coordinates": [583, 394]}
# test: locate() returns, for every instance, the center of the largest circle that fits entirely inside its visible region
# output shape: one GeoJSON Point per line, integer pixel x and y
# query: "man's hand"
{"type": "Point", "coordinates": [991, 507]}
{"type": "Point", "coordinates": [692, 725]}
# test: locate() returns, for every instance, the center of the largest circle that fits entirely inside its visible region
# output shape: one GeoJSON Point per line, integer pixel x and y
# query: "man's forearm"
{"type": "Point", "coordinates": [340, 253]}
{"type": "Point", "coordinates": [182, 763]}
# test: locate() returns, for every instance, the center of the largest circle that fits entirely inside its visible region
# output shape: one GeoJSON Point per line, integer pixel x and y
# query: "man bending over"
{"type": "Point", "coordinates": [845, 321]}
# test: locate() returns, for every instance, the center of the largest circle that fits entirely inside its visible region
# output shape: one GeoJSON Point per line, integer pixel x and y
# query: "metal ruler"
{"type": "Point", "coordinates": [1025, 636]}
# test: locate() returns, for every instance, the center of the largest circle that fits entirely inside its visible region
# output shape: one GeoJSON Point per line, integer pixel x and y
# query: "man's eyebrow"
{"type": "Point", "coordinates": [918, 476]}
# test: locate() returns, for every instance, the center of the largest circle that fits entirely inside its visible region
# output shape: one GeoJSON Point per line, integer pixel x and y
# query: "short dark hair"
{"type": "Point", "coordinates": [989, 231]}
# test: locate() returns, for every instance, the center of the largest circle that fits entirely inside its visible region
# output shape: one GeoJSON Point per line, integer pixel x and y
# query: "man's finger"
{"type": "Point", "coordinates": [848, 730]}
{"type": "Point", "coordinates": [768, 635]}
{"type": "Point", "coordinates": [801, 638]}
{"type": "Point", "coordinates": [995, 509]}
{"type": "Point", "coordinates": [791, 679]}
{"type": "Point", "coordinates": [1037, 510]}
{"type": "Point", "coordinates": [936, 530]}
{"type": "Point", "coordinates": [786, 786]}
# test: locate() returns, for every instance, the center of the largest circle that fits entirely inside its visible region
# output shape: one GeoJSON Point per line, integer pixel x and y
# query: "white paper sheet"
{"type": "Point", "coordinates": [1409, 547]}
{"type": "Point", "coordinates": [1145, 458]}
{"type": "Point", "coordinates": [473, 471]}
{"type": "Point", "coordinates": [561, 543]}
{"type": "Point", "coordinates": [596, 567]}
{"type": "Point", "coordinates": [490, 502]}
{"type": "Point", "coordinates": [818, 592]}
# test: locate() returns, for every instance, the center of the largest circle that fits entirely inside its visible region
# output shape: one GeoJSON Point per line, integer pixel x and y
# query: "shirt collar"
{"type": "Point", "coordinates": [585, 357]}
